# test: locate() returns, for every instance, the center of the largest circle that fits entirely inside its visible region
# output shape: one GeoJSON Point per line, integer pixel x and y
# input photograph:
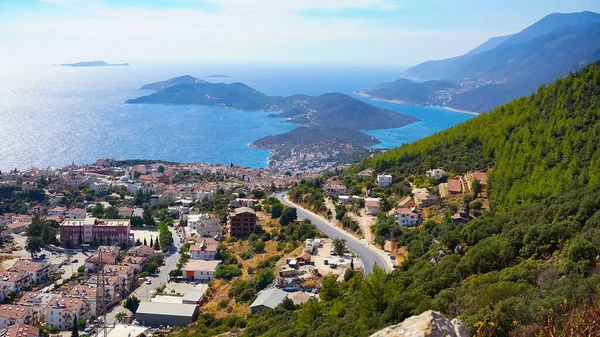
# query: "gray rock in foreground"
{"type": "Point", "coordinates": [428, 324]}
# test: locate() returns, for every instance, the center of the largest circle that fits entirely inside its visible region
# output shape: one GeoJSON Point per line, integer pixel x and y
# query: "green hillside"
{"type": "Point", "coordinates": [536, 249]}
{"type": "Point", "coordinates": [533, 255]}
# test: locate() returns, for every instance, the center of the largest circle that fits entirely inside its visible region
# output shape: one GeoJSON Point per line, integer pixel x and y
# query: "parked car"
{"type": "Point", "coordinates": [148, 281]}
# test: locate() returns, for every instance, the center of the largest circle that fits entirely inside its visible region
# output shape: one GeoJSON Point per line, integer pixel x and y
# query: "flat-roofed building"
{"type": "Point", "coordinates": [167, 314]}
{"type": "Point", "coordinates": [241, 222]}
{"type": "Point", "coordinates": [94, 231]}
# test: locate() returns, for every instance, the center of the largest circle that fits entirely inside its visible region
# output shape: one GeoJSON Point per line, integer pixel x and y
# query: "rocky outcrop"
{"type": "Point", "coordinates": [427, 324]}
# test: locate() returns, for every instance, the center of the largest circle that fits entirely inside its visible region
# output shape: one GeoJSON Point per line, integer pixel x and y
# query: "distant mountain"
{"type": "Point", "coordinates": [490, 44]}
{"type": "Point", "coordinates": [216, 76]}
{"type": "Point", "coordinates": [333, 109]}
{"type": "Point", "coordinates": [503, 68]}
{"type": "Point", "coordinates": [185, 79]}
{"type": "Point", "coordinates": [94, 64]}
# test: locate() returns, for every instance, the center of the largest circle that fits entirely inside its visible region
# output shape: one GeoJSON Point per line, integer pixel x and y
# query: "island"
{"type": "Point", "coordinates": [94, 64]}
{"type": "Point", "coordinates": [216, 76]}
{"type": "Point", "coordinates": [185, 79]}
{"type": "Point", "coordinates": [330, 129]}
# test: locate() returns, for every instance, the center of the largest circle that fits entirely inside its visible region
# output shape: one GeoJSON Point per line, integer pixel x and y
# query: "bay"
{"type": "Point", "coordinates": [53, 116]}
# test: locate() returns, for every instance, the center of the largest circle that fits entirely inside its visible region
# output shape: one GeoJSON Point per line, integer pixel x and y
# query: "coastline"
{"type": "Point", "coordinates": [401, 102]}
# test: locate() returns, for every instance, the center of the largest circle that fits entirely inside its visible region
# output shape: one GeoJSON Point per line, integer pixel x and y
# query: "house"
{"type": "Point", "coordinates": [11, 314]}
{"type": "Point", "coordinates": [407, 217]}
{"type": "Point", "coordinates": [125, 212]}
{"type": "Point", "coordinates": [142, 250]}
{"type": "Point", "coordinates": [287, 271]}
{"type": "Point", "coordinates": [62, 310]}
{"type": "Point", "coordinates": [110, 254]}
{"type": "Point", "coordinates": [241, 202]}
{"type": "Point", "coordinates": [203, 251]}
{"type": "Point", "coordinates": [205, 195]}
{"type": "Point", "coordinates": [436, 173]}
{"type": "Point", "coordinates": [481, 176]}
{"type": "Point", "coordinates": [407, 202]}
{"type": "Point", "coordinates": [206, 225]}
{"type": "Point", "coordinates": [241, 222]}
{"type": "Point", "coordinates": [16, 227]}
{"type": "Point", "coordinates": [112, 286]}
{"type": "Point", "coordinates": [344, 199]}
{"type": "Point", "coordinates": [335, 188]}
{"type": "Point", "coordinates": [268, 299]}
{"type": "Point", "coordinates": [462, 216]}
{"type": "Point", "coordinates": [423, 198]}
{"type": "Point", "coordinates": [455, 186]}
{"type": "Point", "coordinates": [304, 258]}
{"type": "Point", "coordinates": [372, 206]}
{"type": "Point", "coordinates": [138, 263]}
{"type": "Point", "coordinates": [38, 271]}
{"type": "Point", "coordinates": [200, 269]}
{"type": "Point", "coordinates": [94, 231]}
{"type": "Point", "coordinates": [20, 330]}
{"type": "Point", "coordinates": [368, 173]}
{"type": "Point", "coordinates": [384, 180]}
{"type": "Point", "coordinates": [60, 211]}
{"type": "Point", "coordinates": [75, 213]}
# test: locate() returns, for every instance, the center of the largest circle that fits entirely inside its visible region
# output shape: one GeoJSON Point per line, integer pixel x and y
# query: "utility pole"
{"type": "Point", "coordinates": [101, 296]}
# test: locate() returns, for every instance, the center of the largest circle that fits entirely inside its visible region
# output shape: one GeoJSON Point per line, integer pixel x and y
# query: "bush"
{"type": "Point", "coordinates": [227, 272]}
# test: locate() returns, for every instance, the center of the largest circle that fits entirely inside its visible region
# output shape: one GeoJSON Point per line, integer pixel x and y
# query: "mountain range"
{"type": "Point", "coordinates": [501, 69]}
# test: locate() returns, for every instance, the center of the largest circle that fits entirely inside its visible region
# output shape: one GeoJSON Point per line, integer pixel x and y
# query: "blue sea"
{"type": "Point", "coordinates": [53, 116]}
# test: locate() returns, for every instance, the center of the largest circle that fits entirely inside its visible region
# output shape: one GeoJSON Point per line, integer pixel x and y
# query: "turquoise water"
{"type": "Point", "coordinates": [52, 116]}
{"type": "Point", "coordinates": [433, 119]}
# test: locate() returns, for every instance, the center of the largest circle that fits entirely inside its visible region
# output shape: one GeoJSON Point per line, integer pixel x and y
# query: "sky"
{"type": "Point", "coordinates": [349, 32]}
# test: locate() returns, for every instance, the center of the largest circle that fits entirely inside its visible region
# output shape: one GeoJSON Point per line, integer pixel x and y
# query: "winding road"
{"type": "Point", "coordinates": [368, 254]}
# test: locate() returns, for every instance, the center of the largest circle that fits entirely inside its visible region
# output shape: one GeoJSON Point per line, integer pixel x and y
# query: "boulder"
{"type": "Point", "coordinates": [428, 324]}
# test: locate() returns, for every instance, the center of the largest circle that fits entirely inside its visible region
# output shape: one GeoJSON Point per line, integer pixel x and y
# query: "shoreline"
{"type": "Point", "coordinates": [401, 102]}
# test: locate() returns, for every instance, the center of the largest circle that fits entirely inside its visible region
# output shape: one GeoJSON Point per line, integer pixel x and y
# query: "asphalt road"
{"type": "Point", "coordinates": [363, 250]}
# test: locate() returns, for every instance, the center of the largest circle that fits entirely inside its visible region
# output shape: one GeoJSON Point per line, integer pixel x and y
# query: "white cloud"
{"type": "Point", "coordinates": [261, 30]}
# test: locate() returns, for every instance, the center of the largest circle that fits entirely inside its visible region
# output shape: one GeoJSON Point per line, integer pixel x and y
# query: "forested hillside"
{"type": "Point", "coordinates": [535, 251]}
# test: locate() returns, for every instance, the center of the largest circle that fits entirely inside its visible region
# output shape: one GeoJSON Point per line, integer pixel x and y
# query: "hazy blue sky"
{"type": "Point", "coordinates": [401, 32]}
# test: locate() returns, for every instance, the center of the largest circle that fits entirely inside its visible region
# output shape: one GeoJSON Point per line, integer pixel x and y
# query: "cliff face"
{"type": "Point", "coordinates": [427, 324]}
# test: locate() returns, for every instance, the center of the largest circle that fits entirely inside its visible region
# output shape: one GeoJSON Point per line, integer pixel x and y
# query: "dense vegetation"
{"type": "Point", "coordinates": [535, 250]}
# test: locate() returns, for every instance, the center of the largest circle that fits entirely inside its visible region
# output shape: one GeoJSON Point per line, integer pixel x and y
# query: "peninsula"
{"type": "Point", "coordinates": [333, 122]}
{"type": "Point", "coordinates": [94, 64]}
{"type": "Point", "coordinates": [185, 79]}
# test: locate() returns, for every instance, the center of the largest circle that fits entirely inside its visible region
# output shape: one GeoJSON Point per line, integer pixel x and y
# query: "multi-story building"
{"type": "Point", "coordinates": [11, 314]}
{"type": "Point", "coordinates": [142, 250]}
{"type": "Point", "coordinates": [89, 295]}
{"type": "Point", "coordinates": [206, 225]}
{"type": "Point", "coordinates": [109, 256]}
{"type": "Point", "coordinates": [203, 251]}
{"type": "Point", "coordinates": [62, 310]}
{"type": "Point", "coordinates": [75, 213]}
{"type": "Point", "coordinates": [39, 271]}
{"type": "Point", "coordinates": [14, 282]}
{"type": "Point", "coordinates": [94, 231]}
{"type": "Point", "coordinates": [241, 221]}
{"type": "Point", "coordinates": [200, 269]}
{"type": "Point", "coordinates": [407, 217]}
{"type": "Point", "coordinates": [20, 330]}
{"type": "Point", "coordinates": [126, 275]}
{"type": "Point", "coordinates": [384, 180]}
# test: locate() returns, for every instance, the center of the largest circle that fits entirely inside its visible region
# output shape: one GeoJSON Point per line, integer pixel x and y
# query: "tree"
{"type": "Point", "coordinates": [111, 212]}
{"type": "Point", "coordinates": [476, 187]}
{"type": "Point", "coordinates": [259, 246]}
{"type": "Point", "coordinates": [288, 304]}
{"type": "Point", "coordinates": [339, 246]}
{"type": "Point", "coordinates": [330, 289]}
{"type": "Point", "coordinates": [136, 221]}
{"type": "Point", "coordinates": [75, 329]}
{"type": "Point", "coordinates": [121, 317]}
{"type": "Point", "coordinates": [145, 242]}
{"type": "Point", "coordinates": [138, 242]}
{"type": "Point", "coordinates": [34, 245]}
{"type": "Point", "coordinates": [276, 210]}
{"type": "Point", "coordinates": [161, 169]}
{"type": "Point", "coordinates": [98, 210]}
{"type": "Point", "coordinates": [156, 245]}
{"type": "Point", "coordinates": [151, 242]}
{"type": "Point", "coordinates": [148, 217]}
{"type": "Point", "coordinates": [132, 303]}
{"type": "Point", "coordinates": [288, 216]}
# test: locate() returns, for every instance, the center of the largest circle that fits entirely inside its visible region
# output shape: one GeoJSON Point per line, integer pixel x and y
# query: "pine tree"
{"type": "Point", "coordinates": [75, 330]}
{"type": "Point", "coordinates": [145, 242]}
{"type": "Point", "coordinates": [151, 242]}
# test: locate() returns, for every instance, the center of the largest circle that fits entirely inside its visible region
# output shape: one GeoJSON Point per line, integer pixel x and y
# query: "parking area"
{"type": "Point", "coordinates": [327, 264]}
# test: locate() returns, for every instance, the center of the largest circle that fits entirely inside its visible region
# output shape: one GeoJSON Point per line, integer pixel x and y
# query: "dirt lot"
{"type": "Point", "coordinates": [343, 262]}
{"type": "Point", "coordinates": [364, 222]}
